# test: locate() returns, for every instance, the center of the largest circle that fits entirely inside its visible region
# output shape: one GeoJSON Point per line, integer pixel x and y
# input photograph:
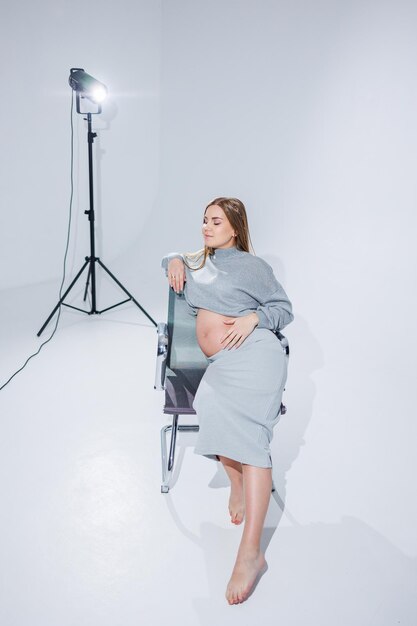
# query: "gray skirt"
{"type": "Point", "coordinates": [238, 400]}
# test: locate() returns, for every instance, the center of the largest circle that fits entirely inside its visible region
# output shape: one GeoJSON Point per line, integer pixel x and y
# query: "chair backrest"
{"type": "Point", "coordinates": [186, 363]}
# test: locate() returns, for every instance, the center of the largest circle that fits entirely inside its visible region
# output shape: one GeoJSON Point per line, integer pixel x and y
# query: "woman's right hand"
{"type": "Point", "coordinates": [176, 274]}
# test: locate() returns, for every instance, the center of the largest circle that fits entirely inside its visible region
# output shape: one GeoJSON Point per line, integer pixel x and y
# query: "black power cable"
{"type": "Point", "coordinates": [66, 249]}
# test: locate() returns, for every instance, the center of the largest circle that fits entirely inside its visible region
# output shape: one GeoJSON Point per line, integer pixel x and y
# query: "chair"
{"type": "Point", "coordinates": [180, 366]}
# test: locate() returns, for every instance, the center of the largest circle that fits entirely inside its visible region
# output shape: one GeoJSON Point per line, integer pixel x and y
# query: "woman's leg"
{"type": "Point", "coordinates": [257, 485]}
{"type": "Point", "coordinates": [236, 501]}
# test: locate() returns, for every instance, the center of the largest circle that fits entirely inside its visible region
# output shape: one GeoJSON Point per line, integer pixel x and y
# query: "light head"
{"type": "Point", "coordinates": [86, 86]}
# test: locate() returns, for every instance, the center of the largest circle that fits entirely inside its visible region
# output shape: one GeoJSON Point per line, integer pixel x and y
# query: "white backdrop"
{"type": "Point", "coordinates": [305, 111]}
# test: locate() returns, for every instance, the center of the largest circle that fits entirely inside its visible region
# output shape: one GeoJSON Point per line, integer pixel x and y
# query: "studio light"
{"type": "Point", "coordinates": [87, 86]}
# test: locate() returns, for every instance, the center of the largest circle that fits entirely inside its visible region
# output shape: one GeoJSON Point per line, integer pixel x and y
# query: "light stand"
{"type": "Point", "coordinates": [82, 81]}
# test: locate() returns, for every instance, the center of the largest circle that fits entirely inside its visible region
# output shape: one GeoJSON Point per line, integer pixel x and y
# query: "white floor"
{"type": "Point", "coordinates": [88, 539]}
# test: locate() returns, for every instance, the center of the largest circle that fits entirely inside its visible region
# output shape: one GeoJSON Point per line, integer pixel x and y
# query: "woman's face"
{"type": "Point", "coordinates": [217, 230]}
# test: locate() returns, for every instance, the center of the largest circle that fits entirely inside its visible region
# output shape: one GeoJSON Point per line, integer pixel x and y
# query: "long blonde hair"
{"type": "Point", "coordinates": [235, 212]}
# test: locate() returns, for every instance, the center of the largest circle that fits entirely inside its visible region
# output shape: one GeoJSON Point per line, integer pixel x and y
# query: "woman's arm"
{"type": "Point", "coordinates": [275, 309]}
{"type": "Point", "coordinates": [175, 270]}
{"type": "Point", "coordinates": [275, 312]}
{"type": "Point", "coordinates": [168, 258]}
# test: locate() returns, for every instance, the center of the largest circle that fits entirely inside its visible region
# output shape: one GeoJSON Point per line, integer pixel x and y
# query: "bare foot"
{"type": "Point", "coordinates": [245, 572]}
{"type": "Point", "coordinates": [236, 504]}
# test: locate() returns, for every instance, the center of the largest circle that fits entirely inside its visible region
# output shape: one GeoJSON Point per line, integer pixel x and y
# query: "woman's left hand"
{"type": "Point", "coordinates": [240, 328]}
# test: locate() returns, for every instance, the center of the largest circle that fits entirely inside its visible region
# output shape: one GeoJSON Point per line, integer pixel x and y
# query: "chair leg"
{"type": "Point", "coordinates": [168, 463]}
{"type": "Point", "coordinates": [174, 431]}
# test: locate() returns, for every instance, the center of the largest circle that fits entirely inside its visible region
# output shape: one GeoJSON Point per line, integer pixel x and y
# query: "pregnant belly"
{"type": "Point", "coordinates": [210, 328]}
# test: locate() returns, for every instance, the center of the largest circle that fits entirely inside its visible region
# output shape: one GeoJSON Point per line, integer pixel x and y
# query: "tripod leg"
{"type": "Point", "coordinates": [87, 283]}
{"type": "Point", "coordinates": [63, 297]}
{"type": "Point", "coordinates": [126, 291]}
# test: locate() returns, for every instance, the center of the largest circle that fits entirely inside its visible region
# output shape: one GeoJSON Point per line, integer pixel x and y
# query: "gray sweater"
{"type": "Point", "coordinates": [235, 283]}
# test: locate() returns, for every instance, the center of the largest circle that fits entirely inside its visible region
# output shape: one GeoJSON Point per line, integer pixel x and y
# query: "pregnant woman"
{"type": "Point", "coordinates": [238, 303]}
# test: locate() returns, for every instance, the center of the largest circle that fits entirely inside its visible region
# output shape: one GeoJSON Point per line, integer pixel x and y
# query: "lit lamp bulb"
{"type": "Point", "coordinates": [98, 94]}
